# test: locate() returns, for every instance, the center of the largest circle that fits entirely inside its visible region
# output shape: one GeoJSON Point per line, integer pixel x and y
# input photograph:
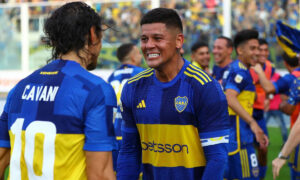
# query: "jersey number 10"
{"type": "Point", "coordinates": [46, 128]}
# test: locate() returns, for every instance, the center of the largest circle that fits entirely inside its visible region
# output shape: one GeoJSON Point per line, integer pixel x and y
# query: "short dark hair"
{"type": "Point", "coordinates": [228, 40]}
{"type": "Point", "coordinates": [124, 50]}
{"type": "Point", "coordinates": [262, 41]}
{"type": "Point", "coordinates": [169, 17]}
{"type": "Point", "coordinates": [68, 28]}
{"type": "Point", "coordinates": [198, 45]}
{"type": "Point", "coordinates": [290, 60]}
{"type": "Point", "coordinates": [243, 36]}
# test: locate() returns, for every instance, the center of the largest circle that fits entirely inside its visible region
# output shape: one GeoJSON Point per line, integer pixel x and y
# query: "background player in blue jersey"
{"type": "Point", "coordinates": [57, 122]}
{"type": "Point", "coordinates": [200, 55]}
{"type": "Point", "coordinates": [261, 101]}
{"type": "Point", "coordinates": [175, 115]}
{"type": "Point", "coordinates": [130, 57]}
{"type": "Point", "coordinates": [240, 93]}
{"type": "Point", "coordinates": [223, 47]}
{"type": "Point", "coordinates": [294, 137]}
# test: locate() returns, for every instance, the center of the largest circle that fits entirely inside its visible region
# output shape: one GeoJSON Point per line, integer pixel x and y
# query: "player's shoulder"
{"type": "Point", "coordinates": [144, 75]}
{"type": "Point", "coordinates": [197, 75]}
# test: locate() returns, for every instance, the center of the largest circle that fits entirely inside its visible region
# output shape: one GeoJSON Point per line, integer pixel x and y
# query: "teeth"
{"type": "Point", "coordinates": [153, 55]}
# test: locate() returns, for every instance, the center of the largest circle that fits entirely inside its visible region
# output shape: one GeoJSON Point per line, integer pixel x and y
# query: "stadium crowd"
{"type": "Point", "coordinates": [177, 119]}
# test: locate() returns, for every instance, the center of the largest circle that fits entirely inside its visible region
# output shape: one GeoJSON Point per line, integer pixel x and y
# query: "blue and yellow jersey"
{"type": "Point", "coordinates": [173, 122]}
{"type": "Point", "coordinates": [239, 79]}
{"type": "Point", "coordinates": [118, 79]}
{"type": "Point", "coordinates": [284, 83]}
{"type": "Point", "coordinates": [217, 72]}
{"type": "Point", "coordinates": [52, 116]}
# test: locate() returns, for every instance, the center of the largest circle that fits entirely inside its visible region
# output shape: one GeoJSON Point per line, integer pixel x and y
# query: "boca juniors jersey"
{"type": "Point", "coordinates": [170, 119]}
{"type": "Point", "coordinates": [218, 72]}
{"type": "Point", "coordinates": [239, 79]}
{"type": "Point", "coordinates": [118, 79]}
{"type": "Point", "coordinates": [52, 116]}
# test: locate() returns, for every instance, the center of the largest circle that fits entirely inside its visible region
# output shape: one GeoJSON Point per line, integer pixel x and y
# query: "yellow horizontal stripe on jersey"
{"type": "Point", "coordinates": [165, 145]}
{"type": "Point", "coordinates": [145, 75]}
{"type": "Point", "coordinates": [246, 99]}
{"type": "Point", "coordinates": [69, 162]}
{"type": "Point", "coordinates": [201, 71]}
{"type": "Point", "coordinates": [141, 73]}
{"type": "Point", "coordinates": [194, 76]}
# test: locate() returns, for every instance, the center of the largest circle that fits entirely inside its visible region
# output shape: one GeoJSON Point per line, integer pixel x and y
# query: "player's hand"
{"type": "Point", "coordinates": [260, 137]}
{"type": "Point", "coordinates": [257, 68]}
{"type": "Point", "coordinates": [276, 166]}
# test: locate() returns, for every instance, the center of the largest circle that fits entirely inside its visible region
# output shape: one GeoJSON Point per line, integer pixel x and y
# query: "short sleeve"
{"type": "Point", "coordinates": [212, 108]}
{"type": "Point", "coordinates": [99, 130]}
{"type": "Point", "coordinates": [283, 84]}
{"type": "Point", "coordinates": [236, 81]}
{"type": "Point", "coordinates": [4, 135]}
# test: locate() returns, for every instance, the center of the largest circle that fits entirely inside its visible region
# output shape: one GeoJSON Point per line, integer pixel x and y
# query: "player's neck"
{"type": "Point", "coordinates": [225, 62]}
{"type": "Point", "coordinates": [170, 70]}
{"type": "Point", "coordinates": [72, 56]}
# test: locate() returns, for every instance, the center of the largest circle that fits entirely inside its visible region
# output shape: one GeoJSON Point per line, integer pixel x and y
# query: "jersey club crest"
{"type": "Point", "coordinates": [181, 103]}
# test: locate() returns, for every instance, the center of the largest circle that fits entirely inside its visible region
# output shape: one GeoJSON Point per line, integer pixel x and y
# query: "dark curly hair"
{"type": "Point", "coordinates": [68, 28]}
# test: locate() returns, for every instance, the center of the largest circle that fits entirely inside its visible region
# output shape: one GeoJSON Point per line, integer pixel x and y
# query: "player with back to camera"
{"type": "Point", "coordinates": [130, 57]}
{"type": "Point", "coordinates": [175, 118]}
{"type": "Point", "coordinates": [57, 122]}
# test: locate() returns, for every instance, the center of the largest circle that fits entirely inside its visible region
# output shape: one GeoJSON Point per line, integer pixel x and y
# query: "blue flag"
{"type": "Point", "coordinates": [288, 38]}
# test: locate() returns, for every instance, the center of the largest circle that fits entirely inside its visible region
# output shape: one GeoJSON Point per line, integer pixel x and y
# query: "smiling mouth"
{"type": "Point", "coordinates": [153, 55]}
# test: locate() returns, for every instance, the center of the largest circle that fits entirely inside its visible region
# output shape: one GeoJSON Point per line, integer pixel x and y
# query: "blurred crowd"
{"type": "Point", "coordinates": [203, 19]}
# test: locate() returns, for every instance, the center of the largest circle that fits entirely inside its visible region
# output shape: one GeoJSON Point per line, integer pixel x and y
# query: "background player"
{"type": "Point", "coordinates": [58, 120]}
{"type": "Point", "coordinates": [200, 55]}
{"type": "Point", "coordinates": [130, 57]}
{"type": "Point", "coordinates": [261, 101]}
{"type": "Point", "coordinates": [223, 47]}
{"type": "Point", "coordinates": [167, 108]}
{"type": "Point", "coordinates": [293, 139]}
{"type": "Point", "coordinates": [240, 93]}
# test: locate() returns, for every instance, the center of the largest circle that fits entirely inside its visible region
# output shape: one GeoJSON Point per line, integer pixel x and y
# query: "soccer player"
{"type": "Point", "coordinates": [200, 55]}
{"type": "Point", "coordinates": [240, 93]}
{"type": "Point", "coordinates": [223, 47]}
{"type": "Point", "coordinates": [175, 117]}
{"type": "Point", "coordinates": [57, 122]}
{"type": "Point", "coordinates": [130, 57]}
{"type": "Point", "coordinates": [260, 102]}
{"type": "Point", "coordinates": [292, 144]}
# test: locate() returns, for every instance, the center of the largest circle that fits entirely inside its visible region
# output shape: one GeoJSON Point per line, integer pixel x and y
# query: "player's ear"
{"type": "Point", "coordinates": [94, 38]}
{"type": "Point", "coordinates": [239, 50]}
{"type": "Point", "coordinates": [179, 40]}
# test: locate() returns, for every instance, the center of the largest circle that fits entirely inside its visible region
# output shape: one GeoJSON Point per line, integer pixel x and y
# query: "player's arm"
{"type": "Point", "coordinates": [266, 84]}
{"type": "Point", "coordinates": [213, 118]}
{"type": "Point", "coordinates": [99, 132]}
{"type": "Point", "coordinates": [99, 165]}
{"type": "Point", "coordinates": [235, 105]}
{"type": "Point", "coordinates": [288, 106]}
{"type": "Point", "coordinates": [129, 159]}
{"type": "Point", "coordinates": [291, 143]}
{"type": "Point", "coordinates": [4, 160]}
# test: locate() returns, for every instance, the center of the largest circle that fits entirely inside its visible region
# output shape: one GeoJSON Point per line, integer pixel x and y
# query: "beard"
{"type": "Point", "coordinates": [93, 63]}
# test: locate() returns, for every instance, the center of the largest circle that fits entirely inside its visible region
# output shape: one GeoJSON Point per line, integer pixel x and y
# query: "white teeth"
{"type": "Point", "coordinates": [153, 55]}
